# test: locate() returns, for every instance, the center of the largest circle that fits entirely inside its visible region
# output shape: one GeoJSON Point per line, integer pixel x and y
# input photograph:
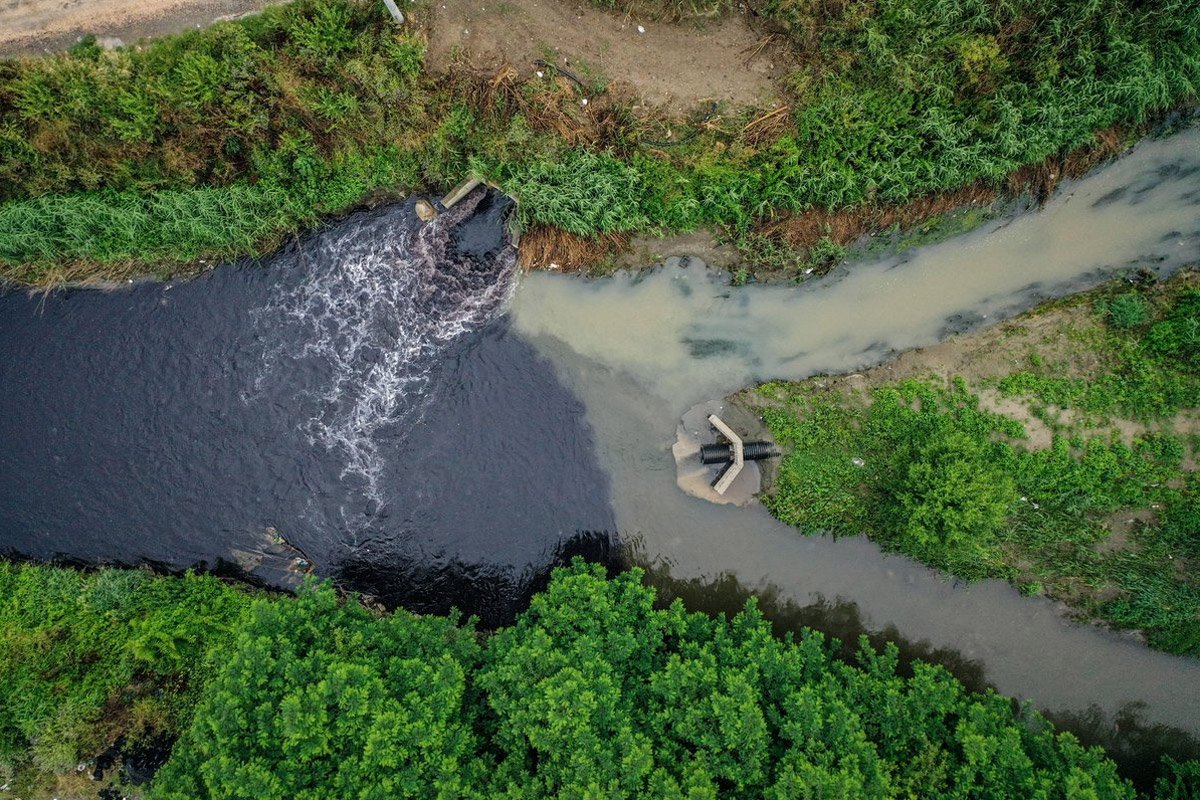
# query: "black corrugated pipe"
{"type": "Point", "coordinates": [751, 451]}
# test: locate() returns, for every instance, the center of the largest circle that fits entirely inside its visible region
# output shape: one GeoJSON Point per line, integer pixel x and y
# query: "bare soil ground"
{"type": "Point", "coordinates": [673, 65]}
{"type": "Point", "coordinates": [678, 66]}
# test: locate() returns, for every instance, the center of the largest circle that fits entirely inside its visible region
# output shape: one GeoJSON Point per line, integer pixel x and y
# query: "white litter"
{"type": "Point", "coordinates": [641, 29]}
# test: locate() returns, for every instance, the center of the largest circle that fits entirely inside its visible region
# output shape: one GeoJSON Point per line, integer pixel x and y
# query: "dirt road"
{"type": "Point", "coordinates": [30, 27]}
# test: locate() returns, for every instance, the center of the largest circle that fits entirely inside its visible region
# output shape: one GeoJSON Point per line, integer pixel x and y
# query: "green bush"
{"type": "Point", "coordinates": [1127, 310]}
{"type": "Point", "coordinates": [1181, 781]}
{"type": "Point", "coordinates": [923, 470]}
{"type": "Point", "coordinates": [595, 693]}
{"type": "Point", "coordinates": [950, 496]}
{"type": "Point", "coordinates": [1177, 337]}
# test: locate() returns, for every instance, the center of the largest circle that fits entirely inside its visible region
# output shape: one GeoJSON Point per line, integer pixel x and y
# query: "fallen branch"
{"type": "Point", "coordinates": [765, 117]}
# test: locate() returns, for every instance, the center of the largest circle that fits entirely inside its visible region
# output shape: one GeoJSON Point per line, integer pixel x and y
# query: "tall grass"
{"type": "Point", "coordinates": [114, 227]}
{"type": "Point", "coordinates": [327, 101]}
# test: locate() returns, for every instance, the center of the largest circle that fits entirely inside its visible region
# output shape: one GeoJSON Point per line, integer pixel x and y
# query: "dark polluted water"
{"type": "Point", "coordinates": [358, 395]}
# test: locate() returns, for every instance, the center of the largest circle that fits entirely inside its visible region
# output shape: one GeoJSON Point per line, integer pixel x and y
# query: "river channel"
{"type": "Point", "coordinates": [400, 410]}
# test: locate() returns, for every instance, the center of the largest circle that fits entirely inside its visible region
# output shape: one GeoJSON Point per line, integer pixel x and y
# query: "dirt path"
{"type": "Point", "coordinates": [674, 65]}
{"type": "Point", "coordinates": [31, 27]}
{"type": "Point", "coordinates": [677, 65]}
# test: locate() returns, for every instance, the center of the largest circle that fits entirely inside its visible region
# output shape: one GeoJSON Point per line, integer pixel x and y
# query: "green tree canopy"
{"type": "Point", "coordinates": [595, 693]}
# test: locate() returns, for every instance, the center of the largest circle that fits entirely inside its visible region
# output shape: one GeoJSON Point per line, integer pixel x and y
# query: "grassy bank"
{"type": "Point", "coordinates": [1064, 462]}
{"type": "Point", "coordinates": [219, 142]}
{"type": "Point", "coordinates": [594, 692]}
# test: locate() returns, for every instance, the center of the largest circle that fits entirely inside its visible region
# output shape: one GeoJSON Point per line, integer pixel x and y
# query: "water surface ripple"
{"type": "Point", "coordinates": [358, 394]}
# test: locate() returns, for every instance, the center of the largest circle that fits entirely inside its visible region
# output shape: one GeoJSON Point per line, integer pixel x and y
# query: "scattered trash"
{"type": "Point", "coordinates": [562, 71]}
{"type": "Point", "coordinates": [858, 462]}
{"type": "Point", "coordinates": [541, 74]}
{"type": "Point", "coordinates": [641, 29]}
{"type": "Point", "coordinates": [583, 102]}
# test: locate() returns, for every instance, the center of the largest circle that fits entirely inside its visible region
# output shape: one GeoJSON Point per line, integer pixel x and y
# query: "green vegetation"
{"type": "Point", "coordinates": [594, 692]}
{"type": "Point", "coordinates": [1150, 351]}
{"type": "Point", "coordinates": [217, 142]}
{"type": "Point", "coordinates": [89, 657]}
{"type": "Point", "coordinates": [922, 467]}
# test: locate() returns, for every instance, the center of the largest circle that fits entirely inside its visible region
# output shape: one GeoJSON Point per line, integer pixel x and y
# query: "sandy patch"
{"type": "Point", "coordinates": [700, 244]}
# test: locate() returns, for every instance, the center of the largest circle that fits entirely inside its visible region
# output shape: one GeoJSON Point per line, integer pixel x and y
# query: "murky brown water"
{"type": "Point", "coordinates": [640, 349]}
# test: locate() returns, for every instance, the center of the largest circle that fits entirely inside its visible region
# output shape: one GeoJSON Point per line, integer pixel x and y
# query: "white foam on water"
{"type": "Point", "coordinates": [385, 297]}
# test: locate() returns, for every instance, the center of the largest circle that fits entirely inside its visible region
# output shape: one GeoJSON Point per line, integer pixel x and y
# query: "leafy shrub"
{"type": "Point", "coordinates": [950, 496]}
{"type": "Point", "coordinates": [594, 692]}
{"type": "Point", "coordinates": [923, 470]}
{"type": "Point", "coordinates": [1181, 781]}
{"type": "Point", "coordinates": [323, 34]}
{"type": "Point", "coordinates": [1177, 338]}
{"type": "Point", "coordinates": [981, 61]}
